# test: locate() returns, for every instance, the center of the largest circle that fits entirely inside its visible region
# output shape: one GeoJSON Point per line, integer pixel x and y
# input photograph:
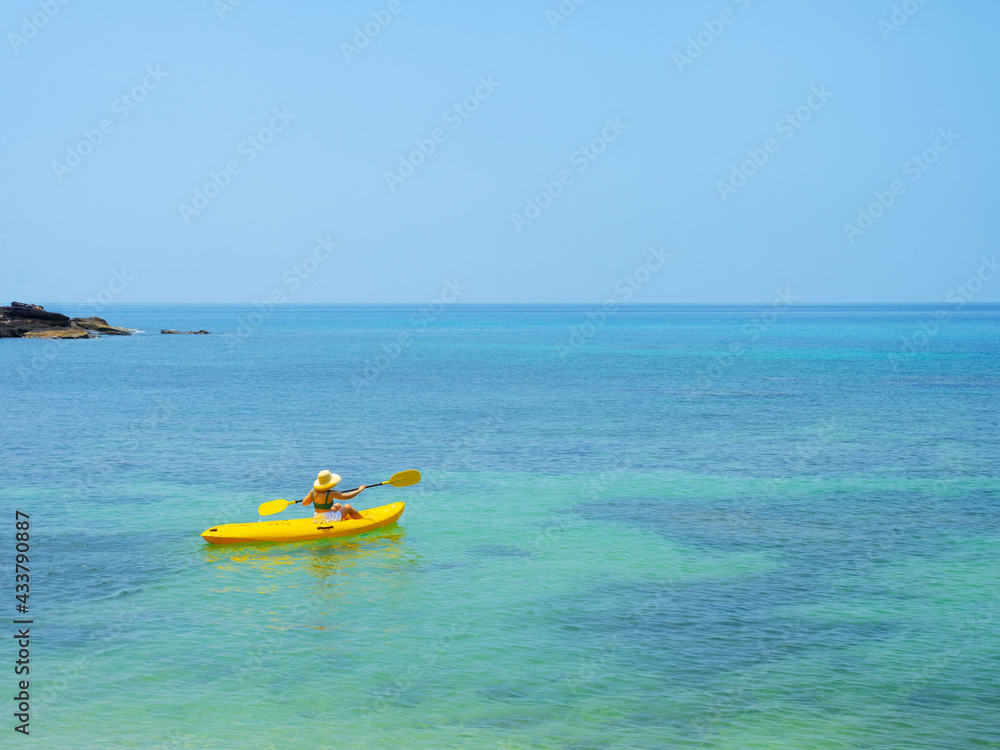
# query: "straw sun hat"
{"type": "Point", "coordinates": [325, 480]}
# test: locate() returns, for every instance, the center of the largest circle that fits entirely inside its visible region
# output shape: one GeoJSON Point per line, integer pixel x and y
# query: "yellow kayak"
{"type": "Point", "coordinates": [302, 529]}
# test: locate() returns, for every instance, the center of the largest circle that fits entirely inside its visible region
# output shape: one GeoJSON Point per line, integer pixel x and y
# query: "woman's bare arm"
{"type": "Point", "coordinates": [308, 498]}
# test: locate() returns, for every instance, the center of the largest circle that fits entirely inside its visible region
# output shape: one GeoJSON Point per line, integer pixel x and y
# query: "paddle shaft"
{"type": "Point", "coordinates": [362, 487]}
{"type": "Point", "coordinates": [399, 479]}
{"type": "Point", "coordinates": [367, 486]}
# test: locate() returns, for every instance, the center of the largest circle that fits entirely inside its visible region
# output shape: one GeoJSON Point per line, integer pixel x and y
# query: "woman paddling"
{"type": "Point", "coordinates": [322, 496]}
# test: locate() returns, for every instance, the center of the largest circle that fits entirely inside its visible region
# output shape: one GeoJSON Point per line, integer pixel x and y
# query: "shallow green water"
{"type": "Point", "coordinates": [642, 545]}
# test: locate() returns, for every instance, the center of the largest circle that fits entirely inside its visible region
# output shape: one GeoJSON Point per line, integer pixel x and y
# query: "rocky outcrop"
{"type": "Point", "coordinates": [35, 322]}
{"type": "Point", "coordinates": [70, 332]}
{"type": "Point", "coordinates": [34, 312]}
{"type": "Point", "coordinates": [101, 326]}
{"type": "Point", "coordinates": [19, 320]}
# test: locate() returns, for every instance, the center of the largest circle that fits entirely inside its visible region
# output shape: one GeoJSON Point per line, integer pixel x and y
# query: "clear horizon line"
{"type": "Point", "coordinates": [937, 303]}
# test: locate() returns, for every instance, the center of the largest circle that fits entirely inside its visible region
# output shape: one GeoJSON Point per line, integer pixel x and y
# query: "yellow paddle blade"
{"type": "Point", "coordinates": [404, 478]}
{"type": "Point", "coordinates": [273, 506]}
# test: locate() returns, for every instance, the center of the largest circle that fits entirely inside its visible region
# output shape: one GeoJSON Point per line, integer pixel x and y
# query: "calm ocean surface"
{"type": "Point", "coordinates": [691, 527]}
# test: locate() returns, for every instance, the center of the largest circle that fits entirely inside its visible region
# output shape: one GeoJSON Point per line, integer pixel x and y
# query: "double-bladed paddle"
{"type": "Point", "coordinates": [399, 479]}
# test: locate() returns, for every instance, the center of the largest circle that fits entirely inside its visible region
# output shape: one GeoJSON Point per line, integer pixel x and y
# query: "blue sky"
{"type": "Point", "coordinates": [536, 87]}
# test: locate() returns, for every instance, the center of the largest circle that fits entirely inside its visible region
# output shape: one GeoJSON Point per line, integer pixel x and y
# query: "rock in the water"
{"type": "Point", "coordinates": [171, 330]}
{"type": "Point", "coordinates": [60, 333]}
{"type": "Point", "coordinates": [35, 312]}
{"type": "Point", "coordinates": [101, 326]}
{"type": "Point", "coordinates": [20, 319]}
{"type": "Point", "coordinates": [35, 322]}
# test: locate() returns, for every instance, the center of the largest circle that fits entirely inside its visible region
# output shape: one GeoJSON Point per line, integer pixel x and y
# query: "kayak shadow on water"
{"type": "Point", "coordinates": [322, 557]}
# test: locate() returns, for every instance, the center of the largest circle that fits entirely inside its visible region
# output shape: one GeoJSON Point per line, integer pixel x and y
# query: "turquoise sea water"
{"type": "Point", "coordinates": [700, 528]}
